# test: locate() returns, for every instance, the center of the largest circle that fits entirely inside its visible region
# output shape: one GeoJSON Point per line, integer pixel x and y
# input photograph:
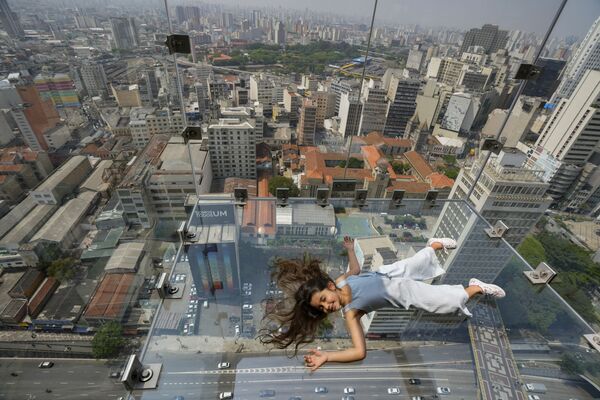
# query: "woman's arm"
{"type": "Point", "coordinates": [353, 266]}
{"type": "Point", "coordinates": [357, 352]}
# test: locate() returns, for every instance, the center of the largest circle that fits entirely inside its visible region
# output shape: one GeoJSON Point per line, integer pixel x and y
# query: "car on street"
{"type": "Point", "coordinates": [205, 304]}
{"type": "Point", "coordinates": [247, 307]}
{"type": "Point", "coordinates": [115, 374]}
{"type": "Point", "coordinates": [46, 364]}
{"type": "Point", "coordinates": [266, 393]}
{"type": "Point", "coordinates": [223, 365]}
{"type": "Point", "coordinates": [225, 395]}
{"type": "Point", "coordinates": [349, 390]}
{"type": "Point", "coordinates": [347, 397]}
{"type": "Point", "coordinates": [320, 389]}
{"type": "Point", "coordinates": [414, 381]}
{"type": "Point", "coordinates": [393, 390]}
{"type": "Point", "coordinates": [443, 390]}
{"type": "Point", "coordinates": [533, 397]}
{"type": "Point", "coordinates": [416, 398]}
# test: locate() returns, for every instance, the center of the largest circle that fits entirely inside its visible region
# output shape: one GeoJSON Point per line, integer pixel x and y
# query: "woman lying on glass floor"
{"type": "Point", "coordinates": [312, 294]}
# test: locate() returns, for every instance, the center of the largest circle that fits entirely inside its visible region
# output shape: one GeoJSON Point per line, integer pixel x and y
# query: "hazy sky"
{"type": "Point", "coordinates": [527, 15]}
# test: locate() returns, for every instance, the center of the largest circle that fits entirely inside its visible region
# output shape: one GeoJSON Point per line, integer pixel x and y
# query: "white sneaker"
{"type": "Point", "coordinates": [488, 288]}
{"type": "Point", "coordinates": [447, 243]}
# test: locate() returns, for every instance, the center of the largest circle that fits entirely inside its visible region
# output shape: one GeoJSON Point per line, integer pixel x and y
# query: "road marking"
{"type": "Point", "coordinates": [36, 383]}
{"type": "Point", "coordinates": [64, 383]}
{"type": "Point", "coordinates": [10, 383]}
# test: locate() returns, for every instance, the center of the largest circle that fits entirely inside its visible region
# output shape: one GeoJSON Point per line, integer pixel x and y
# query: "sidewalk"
{"type": "Point", "coordinates": [26, 336]}
{"type": "Point", "coordinates": [212, 344]}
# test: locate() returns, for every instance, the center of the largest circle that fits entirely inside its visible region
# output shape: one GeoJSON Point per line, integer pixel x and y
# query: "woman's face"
{"type": "Point", "coordinates": [326, 300]}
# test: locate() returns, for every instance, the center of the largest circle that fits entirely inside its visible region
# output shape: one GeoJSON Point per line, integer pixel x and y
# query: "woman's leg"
{"type": "Point", "coordinates": [423, 265]}
{"type": "Point", "coordinates": [439, 299]}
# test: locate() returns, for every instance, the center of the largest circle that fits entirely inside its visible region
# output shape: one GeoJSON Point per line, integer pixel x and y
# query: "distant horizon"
{"type": "Point", "coordinates": [576, 18]}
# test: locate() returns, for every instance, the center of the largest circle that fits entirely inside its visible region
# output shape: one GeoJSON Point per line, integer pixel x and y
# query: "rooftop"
{"type": "Point", "coordinates": [66, 217]}
{"type": "Point", "coordinates": [126, 257]}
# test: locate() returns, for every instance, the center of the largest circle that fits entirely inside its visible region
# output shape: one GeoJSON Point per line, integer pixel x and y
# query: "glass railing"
{"type": "Point", "coordinates": [205, 339]}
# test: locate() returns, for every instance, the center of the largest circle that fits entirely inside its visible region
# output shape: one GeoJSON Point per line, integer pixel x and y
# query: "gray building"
{"type": "Point", "coordinates": [124, 33]}
{"type": "Point", "coordinates": [488, 36]}
{"type": "Point", "coordinates": [402, 96]}
{"type": "Point", "coordinates": [63, 181]}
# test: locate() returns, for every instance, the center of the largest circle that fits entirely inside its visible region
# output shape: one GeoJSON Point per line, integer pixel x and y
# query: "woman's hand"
{"type": "Point", "coordinates": [348, 243]}
{"type": "Point", "coordinates": [314, 359]}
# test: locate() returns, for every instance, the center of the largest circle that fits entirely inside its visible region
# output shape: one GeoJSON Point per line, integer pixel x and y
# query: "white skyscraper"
{"type": "Point", "coordinates": [232, 146]}
{"type": "Point", "coordinates": [586, 57]}
{"type": "Point", "coordinates": [570, 137]}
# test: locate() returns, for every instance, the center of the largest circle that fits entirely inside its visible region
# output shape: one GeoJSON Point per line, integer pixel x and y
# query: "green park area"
{"type": "Point", "coordinates": [310, 58]}
{"type": "Point", "coordinates": [578, 275]}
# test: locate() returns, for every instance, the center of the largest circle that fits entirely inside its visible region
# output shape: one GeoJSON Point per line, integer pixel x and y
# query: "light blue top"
{"type": "Point", "coordinates": [368, 292]}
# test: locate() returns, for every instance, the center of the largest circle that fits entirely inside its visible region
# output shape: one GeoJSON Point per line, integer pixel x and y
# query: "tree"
{"type": "Point", "coordinates": [62, 269]}
{"type": "Point", "coordinates": [400, 167]}
{"type": "Point", "coordinates": [570, 365]}
{"type": "Point", "coordinates": [352, 163]}
{"type": "Point", "coordinates": [108, 341]}
{"type": "Point", "coordinates": [283, 182]}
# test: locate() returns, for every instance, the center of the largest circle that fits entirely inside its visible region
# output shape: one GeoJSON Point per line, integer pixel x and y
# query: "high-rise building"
{"type": "Point", "coordinates": [350, 112]}
{"type": "Point", "coordinates": [374, 109]}
{"type": "Point", "coordinates": [32, 114]}
{"type": "Point", "coordinates": [489, 37]}
{"type": "Point", "coordinates": [325, 103]}
{"type": "Point", "coordinates": [10, 21]}
{"type": "Point", "coordinates": [586, 57]}
{"type": "Point", "coordinates": [124, 33]}
{"type": "Point", "coordinates": [94, 79]}
{"type": "Point", "coordinates": [261, 90]}
{"type": "Point", "coordinates": [308, 123]}
{"type": "Point", "coordinates": [280, 33]}
{"type": "Point", "coordinates": [513, 195]}
{"type": "Point", "coordinates": [402, 95]}
{"type": "Point", "coordinates": [570, 136]}
{"type": "Point", "coordinates": [232, 145]}
{"type": "Point", "coordinates": [460, 113]}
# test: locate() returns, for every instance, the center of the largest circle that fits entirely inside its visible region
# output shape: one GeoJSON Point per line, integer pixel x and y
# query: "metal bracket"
{"type": "Point", "coordinates": [430, 198]}
{"type": "Point", "coordinates": [541, 274]}
{"type": "Point", "coordinates": [493, 145]}
{"type": "Point", "coordinates": [397, 197]}
{"type": "Point", "coordinates": [497, 231]}
{"type": "Point", "coordinates": [241, 196]}
{"type": "Point", "coordinates": [137, 376]}
{"type": "Point", "coordinates": [323, 197]}
{"type": "Point", "coordinates": [169, 290]}
{"type": "Point", "coordinates": [179, 44]}
{"type": "Point", "coordinates": [191, 133]}
{"type": "Point", "coordinates": [594, 340]}
{"type": "Point", "coordinates": [283, 194]}
{"type": "Point", "coordinates": [528, 72]}
{"type": "Point", "coordinates": [360, 198]}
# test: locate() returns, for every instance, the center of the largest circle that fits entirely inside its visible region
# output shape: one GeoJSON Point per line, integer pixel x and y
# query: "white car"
{"type": "Point", "coordinates": [394, 390]}
{"type": "Point", "coordinates": [349, 390]}
{"type": "Point", "coordinates": [247, 307]}
{"type": "Point", "coordinates": [533, 397]}
{"type": "Point", "coordinates": [225, 395]}
{"type": "Point", "coordinates": [223, 365]}
{"type": "Point", "coordinates": [443, 390]}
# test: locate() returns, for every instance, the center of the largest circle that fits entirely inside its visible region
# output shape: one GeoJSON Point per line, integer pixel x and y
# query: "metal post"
{"type": "Point", "coordinates": [362, 79]}
{"type": "Point", "coordinates": [516, 98]}
{"type": "Point", "coordinates": [181, 103]}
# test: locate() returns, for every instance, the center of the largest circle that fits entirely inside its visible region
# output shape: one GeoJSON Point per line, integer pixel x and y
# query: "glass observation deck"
{"type": "Point", "coordinates": [202, 342]}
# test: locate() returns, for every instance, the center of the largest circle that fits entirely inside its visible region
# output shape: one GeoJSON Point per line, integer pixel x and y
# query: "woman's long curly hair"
{"type": "Point", "coordinates": [292, 320]}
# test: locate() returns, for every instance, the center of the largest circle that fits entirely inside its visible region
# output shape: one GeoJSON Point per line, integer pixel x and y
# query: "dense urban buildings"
{"type": "Point", "coordinates": [146, 192]}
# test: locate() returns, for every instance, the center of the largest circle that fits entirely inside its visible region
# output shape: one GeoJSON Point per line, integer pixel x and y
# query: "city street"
{"type": "Point", "coordinates": [67, 379]}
